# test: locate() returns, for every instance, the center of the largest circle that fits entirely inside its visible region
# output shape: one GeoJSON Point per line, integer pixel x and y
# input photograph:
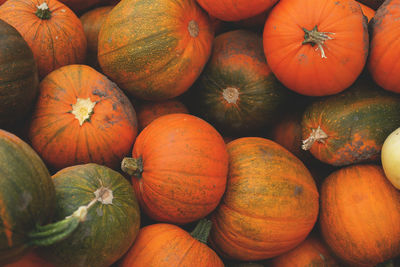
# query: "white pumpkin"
{"type": "Point", "coordinates": [390, 157]}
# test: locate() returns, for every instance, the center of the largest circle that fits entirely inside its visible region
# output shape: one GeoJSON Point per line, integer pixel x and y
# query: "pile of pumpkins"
{"type": "Point", "coordinates": [199, 133]}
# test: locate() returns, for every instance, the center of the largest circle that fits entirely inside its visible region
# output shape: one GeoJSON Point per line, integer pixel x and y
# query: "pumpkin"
{"type": "Point", "coordinates": [165, 245]}
{"type": "Point", "coordinates": [27, 198]}
{"type": "Point", "coordinates": [382, 62]}
{"type": "Point", "coordinates": [311, 252]}
{"type": "Point", "coordinates": [350, 127]}
{"type": "Point", "coordinates": [18, 76]}
{"type": "Point", "coordinates": [81, 117]}
{"type": "Point", "coordinates": [112, 221]}
{"type": "Point", "coordinates": [79, 6]}
{"type": "Point", "coordinates": [52, 31]}
{"type": "Point", "coordinates": [148, 111]}
{"type": "Point", "coordinates": [31, 259]}
{"type": "Point", "coordinates": [178, 166]}
{"type": "Point", "coordinates": [228, 10]}
{"type": "Point", "coordinates": [270, 204]}
{"type": "Point", "coordinates": [155, 50]}
{"type": "Point", "coordinates": [237, 92]}
{"type": "Point", "coordinates": [367, 11]}
{"type": "Point", "coordinates": [92, 22]}
{"type": "Point", "coordinates": [390, 157]}
{"type": "Point", "coordinates": [359, 214]}
{"type": "Point", "coordinates": [316, 48]}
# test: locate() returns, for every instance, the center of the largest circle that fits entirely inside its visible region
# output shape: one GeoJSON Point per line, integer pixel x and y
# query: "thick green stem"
{"type": "Point", "coordinates": [202, 230]}
{"type": "Point", "coordinates": [43, 11]}
{"type": "Point", "coordinates": [132, 166]}
{"type": "Point", "coordinates": [314, 37]}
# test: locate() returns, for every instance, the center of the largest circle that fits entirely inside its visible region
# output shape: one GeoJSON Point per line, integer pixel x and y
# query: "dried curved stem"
{"type": "Point", "coordinates": [314, 37]}
{"type": "Point", "coordinates": [317, 135]}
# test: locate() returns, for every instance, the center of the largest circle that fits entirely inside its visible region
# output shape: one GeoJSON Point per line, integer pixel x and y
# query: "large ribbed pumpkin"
{"type": "Point", "coordinates": [81, 117]}
{"type": "Point", "coordinates": [360, 211]}
{"type": "Point", "coordinates": [51, 29]}
{"type": "Point", "coordinates": [270, 204]}
{"type": "Point", "coordinates": [112, 222]}
{"type": "Point", "coordinates": [179, 166]}
{"type": "Point", "coordinates": [314, 47]}
{"type": "Point", "coordinates": [18, 76]}
{"type": "Point", "coordinates": [155, 49]}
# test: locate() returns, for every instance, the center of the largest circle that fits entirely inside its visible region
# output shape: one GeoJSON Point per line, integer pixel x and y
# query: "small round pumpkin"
{"type": "Point", "coordinates": [155, 50]}
{"type": "Point", "coordinates": [18, 76]}
{"type": "Point", "coordinates": [316, 48]}
{"type": "Point", "coordinates": [81, 117]}
{"type": "Point", "coordinates": [270, 204]}
{"type": "Point", "coordinates": [53, 32]}
{"type": "Point", "coordinates": [390, 157]}
{"type": "Point", "coordinates": [179, 166]}
{"type": "Point", "coordinates": [165, 245]}
{"type": "Point", "coordinates": [359, 214]}
{"type": "Point", "coordinates": [112, 221]}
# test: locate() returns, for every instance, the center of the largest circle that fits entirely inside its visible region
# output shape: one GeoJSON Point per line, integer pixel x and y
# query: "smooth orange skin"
{"type": "Point", "coordinates": [300, 67]}
{"type": "Point", "coordinates": [385, 38]}
{"type": "Point", "coordinates": [166, 245]}
{"type": "Point", "coordinates": [185, 165]}
{"type": "Point", "coordinates": [149, 111]}
{"type": "Point", "coordinates": [146, 47]}
{"type": "Point", "coordinates": [55, 132]}
{"type": "Point", "coordinates": [270, 204]}
{"type": "Point", "coordinates": [234, 10]}
{"type": "Point", "coordinates": [367, 11]}
{"type": "Point", "coordinates": [30, 259]}
{"type": "Point", "coordinates": [360, 211]}
{"type": "Point", "coordinates": [55, 42]}
{"type": "Point", "coordinates": [311, 252]}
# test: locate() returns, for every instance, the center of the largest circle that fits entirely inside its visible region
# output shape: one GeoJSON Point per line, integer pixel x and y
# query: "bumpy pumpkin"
{"type": "Point", "coordinates": [51, 29]}
{"type": "Point", "coordinates": [350, 127]}
{"type": "Point", "coordinates": [270, 204]}
{"type": "Point", "coordinates": [229, 10]}
{"type": "Point", "coordinates": [237, 92]}
{"type": "Point", "coordinates": [382, 62]}
{"type": "Point", "coordinates": [165, 245]}
{"type": "Point", "coordinates": [112, 221]}
{"type": "Point", "coordinates": [18, 76]}
{"type": "Point", "coordinates": [154, 49]}
{"type": "Point", "coordinates": [82, 117]}
{"type": "Point", "coordinates": [316, 48]}
{"type": "Point", "coordinates": [179, 166]}
{"type": "Point", "coordinates": [359, 214]}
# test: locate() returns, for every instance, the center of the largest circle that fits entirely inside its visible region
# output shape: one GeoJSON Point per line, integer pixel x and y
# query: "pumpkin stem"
{"type": "Point", "coordinates": [314, 37]}
{"type": "Point", "coordinates": [132, 166]}
{"type": "Point", "coordinates": [230, 94]}
{"type": "Point", "coordinates": [202, 230]}
{"type": "Point", "coordinates": [193, 28]}
{"type": "Point", "coordinates": [316, 135]}
{"type": "Point", "coordinates": [83, 109]}
{"type": "Point", "coordinates": [43, 11]}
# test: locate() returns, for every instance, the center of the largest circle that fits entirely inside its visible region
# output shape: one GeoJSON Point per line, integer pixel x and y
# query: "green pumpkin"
{"type": "Point", "coordinates": [18, 76]}
{"type": "Point", "coordinates": [112, 221]}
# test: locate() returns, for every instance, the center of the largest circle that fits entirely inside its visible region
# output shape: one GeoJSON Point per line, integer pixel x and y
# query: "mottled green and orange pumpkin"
{"type": "Point", "coordinates": [112, 221]}
{"type": "Point", "coordinates": [166, 245]}
{"type": "Point", "coordinates": [155, 49]}
{"type": "Point", "coordinates": [51, 29]}
{"type": "Point", "coordinates": [270, 204]}
{"type": "Point", "coordinates": [179, 166]}
{"type": "Point", "coordinates": [360, 211]}
{"type": "Point", "coordinates": [237, 92]}
{"type": "Point", "coordinates": [18, 76]}
{"type": "Point", "coordinates": [350, 127]}
{"type": "Point", "coordinates": [82, 117]}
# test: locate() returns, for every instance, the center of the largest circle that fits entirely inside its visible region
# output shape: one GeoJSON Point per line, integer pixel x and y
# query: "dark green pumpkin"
{"type": "Point", "coordinates": [112, 221]}
{"type": "Point", "coordinates": [351, 127]}
{"type": "Point", "coordinates": [18, 76]}
{"type": "Point", "coordinates": [237, 91]}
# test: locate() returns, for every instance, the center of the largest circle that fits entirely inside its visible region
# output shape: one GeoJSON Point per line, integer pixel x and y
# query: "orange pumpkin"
{"type": "Point", "coordinates": [81, 117]}
{"type": "Point", "coordinates": [229, 10]}
{"type": "Point", "coordinates": [360, 211]}
{"type": "Point", "coordinates": [79, 6]}
{"type": "Point", "coordinates": [179, 166]}
{"type": "Point", "coordinates": [367, 11]}
{"type": "Point", "coordinates": [270, 204]}
{"type": "Point", "coordinates": [53, 32]}
{"type": "Point", "coordinates": [314, 47]}
{"type": "Point", "coordinates": [383, 59]}
{"type": "Point", "coordinates": [155, 50]}
{"type": "Point", "coordinates": [166, 245]}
